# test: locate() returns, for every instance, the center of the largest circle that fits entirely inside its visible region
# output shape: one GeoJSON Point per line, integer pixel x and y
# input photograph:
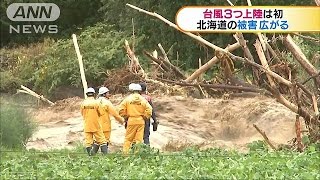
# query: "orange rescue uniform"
{"type": "Point", "coordinates": [104, 120]}
{"type": "Point", "coordinates": [90, 111]}
{"type": "Point", "coordinates": [137, 109]}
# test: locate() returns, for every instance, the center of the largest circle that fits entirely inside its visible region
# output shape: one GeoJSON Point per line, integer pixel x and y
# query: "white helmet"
{"type": "Point", "coordinates": [134, 87]}
{"type": "Point", "coordinates": [90, 90]}
{"type": "Point", "coordinates": [103, 90]}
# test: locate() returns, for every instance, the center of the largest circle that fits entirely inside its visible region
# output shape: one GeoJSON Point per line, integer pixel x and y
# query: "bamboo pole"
{"type": "Point", "coordinates": [83, 76]}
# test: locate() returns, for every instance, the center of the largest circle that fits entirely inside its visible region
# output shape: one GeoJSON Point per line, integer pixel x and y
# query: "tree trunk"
{"type": "Point", "coordinates": [239, 37]}
{"type": "Point", "coordinates": [301, 58]}
{"type": "Point", "coordinates": [210, 63]}
{"type": "Point", "coordinates": [216, 86]}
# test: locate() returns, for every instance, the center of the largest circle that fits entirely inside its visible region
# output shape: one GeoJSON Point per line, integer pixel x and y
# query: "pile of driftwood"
{"type": "Point", "coordinates": [272, 73]}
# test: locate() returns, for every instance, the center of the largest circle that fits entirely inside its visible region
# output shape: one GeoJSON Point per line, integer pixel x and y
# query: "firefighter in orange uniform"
{"type": "Point", "coordinates": [90, 111]}
{"type": "Point", "coordinates": [108, 109]}
{"type": "Point", "coordinates": [136, 109]}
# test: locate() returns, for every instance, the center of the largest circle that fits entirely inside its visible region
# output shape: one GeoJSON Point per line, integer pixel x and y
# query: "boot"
{"type": "Point", "coordinates": [133, 146]}
{"type": "Point", "coordinates": [88, 150]}
{"type": "Point", "coordinates": [104, 148]}
{"type": "Point", "coordinates": [94, 150]}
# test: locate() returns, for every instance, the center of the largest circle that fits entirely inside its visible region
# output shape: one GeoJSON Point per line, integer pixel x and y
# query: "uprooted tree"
{"type": "Point", "coordinates": [272, 74]}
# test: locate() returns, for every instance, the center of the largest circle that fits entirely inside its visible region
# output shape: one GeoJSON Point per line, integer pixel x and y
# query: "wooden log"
{"type": "Point", "coordinates": [297, 123]}
{"type": "Point", "coordinates": [159, 83]}
{"type": "Point", "coordinates": [315, 40]}
{"type": "Point", "coordinates": [311, 77]}
{"type": "Point", "coordinates": [223, 87]}
{"type": "Point", "coordinates": [163, 53]}
{"type": "Point", "coordinates": [276, 93]}
{"type": "Point", "coordinates": [135, 66]}
{"type": "Point", "coordinates": [261, 37]}
{"type": "Point", "coordinates": [83, 76]}
{"type": "Point", "coordinates": [200, 39]}
{"type": "Point", "coordinates": [161, 64]}
{"type": "Point", "coordinates": [298, 133]}
{"type": "Point", "coordinates": [265, 137]}
{"type": "Point", "coordinates": [268, 71]}
{"type": "Point", "coordinates": [245, 60]}
{"type": "Point", "coordinates": [32, 93]}
{"type": "Point", "coordinates": [167, 65]}
{"type": "Point", "coordinates": [264, 62]}
{"type": "Point", "coordinates": [200, 78]}
{"type": "Point", "coordinates": [301, 58]}
{"type": "Point", "coordinates": [309, 93]}
{"type": "Point", "coordinates": [230, 3]}
{"type": "Point", "coordinates": [274, 46]}
{"type": "Point", "coordinates": [273, 53]}
{"type": "Point", "coordinates": [210, 63]}
{"type": "Point", "coordinates": [239, 37]}
{"type": "Point", "coordinates": [155, 54]}
{"type": "Point", "coordinates": [315, 105]}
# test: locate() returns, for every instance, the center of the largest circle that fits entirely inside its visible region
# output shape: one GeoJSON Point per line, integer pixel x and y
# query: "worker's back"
{"type": "Point", "coordinates": [136, 107]}
{"type": "Point", "coordinates": [90, 112]}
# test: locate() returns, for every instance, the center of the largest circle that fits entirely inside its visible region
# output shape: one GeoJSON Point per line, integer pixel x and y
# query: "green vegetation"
{"type": "Point", "coordinates": [16, 126]}
{"type": "Point", "coordinates": [188, 164]}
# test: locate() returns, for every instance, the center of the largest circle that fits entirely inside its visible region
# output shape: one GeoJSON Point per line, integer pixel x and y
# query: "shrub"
{"type": "Point", "coordinates": [258, 146]}
{"type": "Point", "coordinates": [9, 83]}
{"type": "Point", "coordinates": [57, 66]}
{"type": "Point", "coordinates": [16, 127]}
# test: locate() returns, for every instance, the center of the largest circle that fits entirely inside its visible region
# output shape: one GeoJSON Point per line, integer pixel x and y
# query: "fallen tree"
{"type": "Point", "coordinates": [274, 75]}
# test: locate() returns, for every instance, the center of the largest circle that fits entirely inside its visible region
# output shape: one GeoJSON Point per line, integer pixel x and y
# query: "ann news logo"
{"type": "Point", "coordinates": [33, 12]}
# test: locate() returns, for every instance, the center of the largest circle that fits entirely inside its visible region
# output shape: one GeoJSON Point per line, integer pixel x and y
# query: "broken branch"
{"type": "Point", "coordinates": [239, 37]}
{"type": "Point", "coordinates": [167, 64]}
{"type": "Point", "coordinates": [163, 53]}
{"type": "Point", "coordinates": [308, 38]}
{"type": "Point", "coordinates": [135, 66]}
{"type": "Point", "coordinates": [32, 93]}
{"type": "Point", "coordinates": [276, 76]}
{"type": "Point", "coordinates": [265, 137]}
{"type": "Point", "coordinates": [177, 28]}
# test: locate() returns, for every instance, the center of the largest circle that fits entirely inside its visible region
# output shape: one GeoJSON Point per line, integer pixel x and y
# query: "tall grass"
{"type": "Point", "coordinates": [16, 126]}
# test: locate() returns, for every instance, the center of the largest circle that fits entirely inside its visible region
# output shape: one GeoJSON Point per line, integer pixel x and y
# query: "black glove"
{"type": "Point", "coordinates": [155, 125]}
{"type": "Point", "coordinates": [126, 122]}
{"type": "Point", "coordinates": [144, 118]}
